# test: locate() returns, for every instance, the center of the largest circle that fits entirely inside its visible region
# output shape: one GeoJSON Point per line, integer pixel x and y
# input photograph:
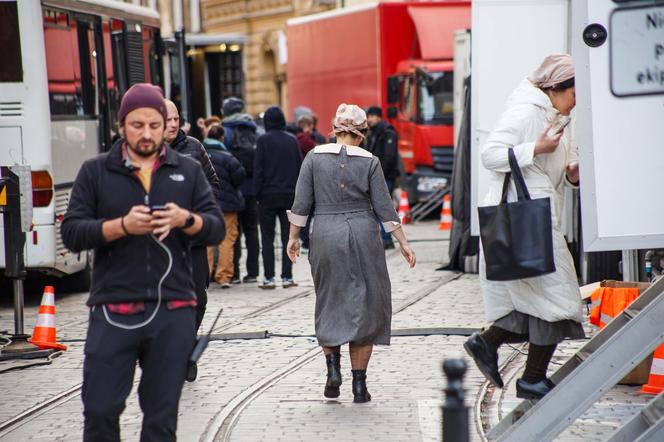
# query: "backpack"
{"type": "Point", "coordinates": [243, 147]}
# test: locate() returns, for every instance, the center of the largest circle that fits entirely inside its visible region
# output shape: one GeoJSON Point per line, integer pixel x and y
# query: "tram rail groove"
{"type": "Point", "coordinates": [221, 426]}
{"type": "Point", "coordinates": [241, 401]}
{"type": "Point", "coordinates": [64, 396]}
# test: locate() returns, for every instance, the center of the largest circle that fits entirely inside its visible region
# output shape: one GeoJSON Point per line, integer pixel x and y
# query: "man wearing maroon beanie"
{"type": "Point", "coordinates": [140, 206]}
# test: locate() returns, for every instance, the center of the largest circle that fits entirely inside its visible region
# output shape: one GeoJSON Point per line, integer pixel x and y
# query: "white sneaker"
{"type": "Point", "coordinates": [288, 282]}
{"type": "Point", "coordinates": [268, 284]}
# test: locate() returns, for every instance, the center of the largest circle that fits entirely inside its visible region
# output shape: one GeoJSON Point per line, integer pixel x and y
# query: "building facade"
{"type": "Point", "coordinates": [263, 53]}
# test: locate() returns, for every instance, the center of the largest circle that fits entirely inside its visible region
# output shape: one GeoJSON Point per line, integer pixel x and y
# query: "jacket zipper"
{"type": "Point", "coordinates": [146, 201]}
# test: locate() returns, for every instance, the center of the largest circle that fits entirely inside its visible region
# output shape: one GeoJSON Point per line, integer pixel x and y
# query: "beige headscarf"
{"type": "Point", "coordinates": [350, 118]}
{"type": "Point", "coordinates": [554, 69]}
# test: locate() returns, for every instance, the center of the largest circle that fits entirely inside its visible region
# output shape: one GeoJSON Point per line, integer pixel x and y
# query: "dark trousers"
{"type": "Point", "coordinates": [268, 217]}
{"type": "Point", "coordinates": [201, 275]}
{"type": "Point", "coordinates": [161, 348]}
{"type": "Point", "coordinates": [304, 233]}
{"type": "Point", "coordinates": [248, 226]}
{"type": "Point", "coordinates": [387, 237]}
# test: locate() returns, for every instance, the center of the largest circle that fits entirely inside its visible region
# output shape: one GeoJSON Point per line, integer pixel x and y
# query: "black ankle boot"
{"type": "Point", "coordinates": [333, 375]}
{"type": "Point", "coordinates": [360, 393]}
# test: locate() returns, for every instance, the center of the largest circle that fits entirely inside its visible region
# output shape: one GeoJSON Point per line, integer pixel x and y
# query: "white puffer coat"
{"type": "Point", "coordinates": [555, 296]}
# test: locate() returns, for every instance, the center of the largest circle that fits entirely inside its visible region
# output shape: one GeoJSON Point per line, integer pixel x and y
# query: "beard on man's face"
{"type": "Point", "coordinates": [145, 148]}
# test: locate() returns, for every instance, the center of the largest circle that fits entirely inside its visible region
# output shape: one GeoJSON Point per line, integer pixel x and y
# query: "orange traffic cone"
{"type": "Point", "coordinates": [43, 335]}
{"type": "Point", "coordinates": [655, 383]}
{"type": "Point", "coordinates": [446, 214]}
{"type": "Point", "coordinates": [404, 208]}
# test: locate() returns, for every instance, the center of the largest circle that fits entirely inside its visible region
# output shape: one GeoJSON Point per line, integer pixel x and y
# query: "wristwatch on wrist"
{"type": "Point", "coordinates": [189, 222]}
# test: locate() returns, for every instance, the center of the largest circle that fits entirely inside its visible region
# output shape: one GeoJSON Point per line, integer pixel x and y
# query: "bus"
{"type": "Point", "coordinates": [66, 64]}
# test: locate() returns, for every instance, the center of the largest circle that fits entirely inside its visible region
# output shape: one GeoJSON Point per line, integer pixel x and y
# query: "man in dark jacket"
{"type": "Point", "coordinates": [191, 147]}
{"type": "Point", "coordinates": [140, 207]}
{"type": "Point", "coordinates": [382, 142]}
{"type": "Point", "coordinates": [231, 175]}
{"type": "Point", "coordinates": [277, 166]}
{"type": "Point", "coordinates": [240, 139]}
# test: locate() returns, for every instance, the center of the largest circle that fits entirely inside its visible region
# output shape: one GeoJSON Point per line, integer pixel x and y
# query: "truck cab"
{"type": "Point", "coordinates": [421, 108]}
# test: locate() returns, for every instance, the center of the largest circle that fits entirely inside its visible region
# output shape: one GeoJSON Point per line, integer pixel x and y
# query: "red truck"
{"type": "Point", "coordinates": [398, 55]}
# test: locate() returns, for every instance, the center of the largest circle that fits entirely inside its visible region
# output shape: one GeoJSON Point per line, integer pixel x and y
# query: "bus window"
{"type": "Point", "coordinates": [69, 65]}
{"type": "Point", "coordinates": [116, 82]}
{"type": "Point", "coordinates": [150, 55]}
{"type": "Point", "coordinates": [11, 68]}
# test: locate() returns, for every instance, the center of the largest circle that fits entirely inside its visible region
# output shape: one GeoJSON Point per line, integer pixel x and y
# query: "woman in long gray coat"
{"type": "Point", "coordinates": [345, 183]}
{"type": "Point", "coordinates": [546, 309]}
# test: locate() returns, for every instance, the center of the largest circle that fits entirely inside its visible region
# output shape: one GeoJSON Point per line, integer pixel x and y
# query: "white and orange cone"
{"type": "Point", "coordinates": [44, 334]}
{"type": "Point", "coordinates": [404, 208]}
{"type": "Point", "coordinates": [446, 214]}
{"type": "Point", "coordinates": [655, 383]}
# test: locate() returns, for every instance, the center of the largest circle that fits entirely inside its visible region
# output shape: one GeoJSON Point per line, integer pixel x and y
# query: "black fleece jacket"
{"type": "Point", "coordinates": [129, 269]}
{"type": "Point", "coordinates": [231, 175]}
{"type": "Point", "coordinates": [277, 163]}
{"type": "Point", "coordinates": [191, 147]}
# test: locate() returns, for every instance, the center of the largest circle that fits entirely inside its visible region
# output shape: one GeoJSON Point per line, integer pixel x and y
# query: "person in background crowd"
{"type": "Point", "coordinates": [231, 175]}
{"type": "Point", "coordinates": [277, 165]}
{"type": "Point", "coordinates": [542, 310]}
{"type": "Point", "coordinates": [240, 139]}
{"type": "Point", "coordinates": [204, 124]}
{"type": "Point", "coordinates": [307, 143]}
{"type": "Point", "coordinates": [353, 293]}
{"type": "Point", "coordinates": [191, 147]}
{"type": "Point", "coordinates": [140, 207]}
{"type": "Point", "coordinates": [305, 137]}
{"type": "Point", "coordinates": [382, 142]}
{"type": "Point", "coordinates": [319, 137]}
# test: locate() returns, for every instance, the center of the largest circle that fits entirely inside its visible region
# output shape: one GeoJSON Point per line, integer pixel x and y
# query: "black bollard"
{"type": "Point", "coordinates": [455, 413]}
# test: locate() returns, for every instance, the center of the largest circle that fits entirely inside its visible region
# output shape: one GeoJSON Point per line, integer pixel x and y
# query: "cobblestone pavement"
{"type": "Point", "coordinates": [271, 389]}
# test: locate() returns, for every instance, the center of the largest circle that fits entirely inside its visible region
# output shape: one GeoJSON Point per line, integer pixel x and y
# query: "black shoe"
{"type": "Point", "coordinates": [526, 390]}
{"type": "Point", "coordinates": [192, 371]}
{"type": "Point", "coordinates": [333, 375]}
{"type": "Point", "coordinates": [486, 360]}
{"type": "Point", "coordinates": [360, 393]}
{"type": "Point", "coordinates": [249, 279]}
{"type": "Point", "coordinates": [235, 280]}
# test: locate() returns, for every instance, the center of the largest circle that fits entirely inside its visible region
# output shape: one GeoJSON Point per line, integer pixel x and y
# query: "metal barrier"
{"type": "Point", "coordinates": [420, 210]}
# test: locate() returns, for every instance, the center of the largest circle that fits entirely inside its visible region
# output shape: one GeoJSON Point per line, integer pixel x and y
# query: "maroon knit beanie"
{"type": "Point", "coordinates": [142, 95]}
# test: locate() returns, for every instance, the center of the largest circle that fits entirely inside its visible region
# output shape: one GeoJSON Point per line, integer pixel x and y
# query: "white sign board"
{"type": "Point", "coordinates": [621, 158]}
{"type": "Point", "coordinates": [637, 51]}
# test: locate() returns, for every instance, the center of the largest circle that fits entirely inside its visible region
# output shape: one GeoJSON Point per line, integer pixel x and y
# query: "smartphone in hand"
{"type": "Point", "coordinates": [155, 207]}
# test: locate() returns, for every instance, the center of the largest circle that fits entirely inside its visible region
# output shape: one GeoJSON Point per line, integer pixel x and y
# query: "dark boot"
{"type": "Point", "coordinates": [534, 390]}
{"type": "Point", "coordinates": [360, 393]}
{"type": "Point", "coordinates": [333, 375]}
{"type": "Point", "coordinates": [485, 357]}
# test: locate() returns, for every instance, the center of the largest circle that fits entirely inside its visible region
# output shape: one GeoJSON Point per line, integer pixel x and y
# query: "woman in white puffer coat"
{"type": "Point", "coordinates": [542, 310]}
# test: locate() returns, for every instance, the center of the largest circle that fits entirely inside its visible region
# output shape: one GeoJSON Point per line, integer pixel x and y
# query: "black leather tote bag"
{"type": "Point", "coordinates": [517, 237]}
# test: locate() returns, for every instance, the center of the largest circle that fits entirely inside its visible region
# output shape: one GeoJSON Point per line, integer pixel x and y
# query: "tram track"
{"type": "Point", "coordinates": [221, 426]}
{"type": "Point", "coordinates": [72, 392]}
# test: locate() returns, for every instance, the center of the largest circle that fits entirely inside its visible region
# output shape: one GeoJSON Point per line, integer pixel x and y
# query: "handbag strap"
{"type": "Point", "coordinates": [519, 182]}
{"type": "Point", "coordinates": [506, 186]}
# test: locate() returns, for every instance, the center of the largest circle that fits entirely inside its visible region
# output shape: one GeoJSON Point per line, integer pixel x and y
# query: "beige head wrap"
{"type": "Point", "coordinates": [350, 118]}
{"type": "Point", "coordinates": [554, 69]}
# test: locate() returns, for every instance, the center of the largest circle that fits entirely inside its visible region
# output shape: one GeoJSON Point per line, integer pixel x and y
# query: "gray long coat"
{"type": "Point", "coordinates": [353, 293]}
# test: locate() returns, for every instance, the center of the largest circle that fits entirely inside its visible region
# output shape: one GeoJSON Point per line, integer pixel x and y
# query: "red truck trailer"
{"type": "Point", "coordinates": [397, 55]}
